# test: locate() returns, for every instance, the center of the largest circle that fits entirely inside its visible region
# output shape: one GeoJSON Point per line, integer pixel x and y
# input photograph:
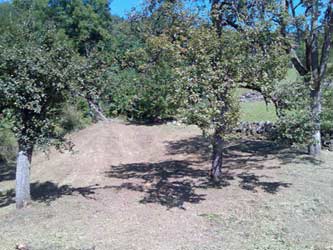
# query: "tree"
{"type": "Point", "coordinates": [217, 60]}
{"type": "Point", "coordinates": [209, 61]}
{"type": "Point", "coordinates": [306, 27]}
{"type": "Point", "coordinates": [35, 80]}
{"type": "Point", "coordinates": [86, 23]}
{"type": "Point", "coordinates": [147, 65]}
{"type": "Point", "coordinates": [92, 80]}
{"type": "Point", "coordinates": [312, 22]}
{"type": "Point", "coordinates": [210, 75]}
{"type": "Point", "coordinates": [86, 26]}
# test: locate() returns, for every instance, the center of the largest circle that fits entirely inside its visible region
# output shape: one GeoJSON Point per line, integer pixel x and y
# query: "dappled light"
{"type": "Point", "coordinates": [47, 192]}
{"type": "Point", "coordinates": [179, 125]}
{"type": "Point", "coordinates": [175, 183]}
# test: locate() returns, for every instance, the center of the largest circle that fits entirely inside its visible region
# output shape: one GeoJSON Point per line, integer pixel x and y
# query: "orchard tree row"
{"type": "Point", "coordinates": [168, 60]}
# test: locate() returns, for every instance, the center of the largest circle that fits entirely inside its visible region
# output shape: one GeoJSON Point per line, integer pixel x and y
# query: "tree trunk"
{"type": "Point", "coordinates": [315, 146]}
{"type": "Point", "coordinates": [217, 157]}
{"type": "Point", "coordinates": [22, 190]}
{"type": "Point", "coordinates": [96, 111]}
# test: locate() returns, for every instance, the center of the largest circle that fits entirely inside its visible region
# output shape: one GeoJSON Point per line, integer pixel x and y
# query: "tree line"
{"type": "Point", "coordinates": [171, 59]}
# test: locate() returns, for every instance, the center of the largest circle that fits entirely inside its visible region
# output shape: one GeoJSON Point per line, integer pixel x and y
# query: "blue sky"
{"type": "Point", "coordinates": [120, 7]}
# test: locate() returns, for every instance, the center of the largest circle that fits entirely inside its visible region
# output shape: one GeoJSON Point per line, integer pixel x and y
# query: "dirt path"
{"type": "Point", "coordinates": [146, 187]}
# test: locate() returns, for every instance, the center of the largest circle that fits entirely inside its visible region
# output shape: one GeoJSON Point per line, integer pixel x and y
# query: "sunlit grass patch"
{"type": "Point", "coordinates": [257, 111]}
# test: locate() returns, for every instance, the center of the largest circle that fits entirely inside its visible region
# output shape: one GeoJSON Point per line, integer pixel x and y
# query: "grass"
{"type": "Point", "coordinates": [257, 111]}
{"type": "Point", "coordinates": [241, 91]}
{"type": "Point", "coordinates": [292, 75]}
{"type": "Point", "coordinates": [272, 198]}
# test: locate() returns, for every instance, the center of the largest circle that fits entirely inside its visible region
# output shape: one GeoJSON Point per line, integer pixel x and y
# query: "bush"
{"type": "Point", "coordinates": [7, 141]}
{"type": "Point", "coordinates": [74, 117]}
{"type": "Point", "coordinates": [294, 124]}
{"type": "Point", "coordinates": [146, 98]}
{"type": "Point", "coordinates": [295, 127]}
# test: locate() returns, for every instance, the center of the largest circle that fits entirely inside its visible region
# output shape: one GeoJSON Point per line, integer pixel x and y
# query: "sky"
{"type": "Point", "coordinates": [118, 7]}
{"type": "Point", "coordinates": [121, 7]}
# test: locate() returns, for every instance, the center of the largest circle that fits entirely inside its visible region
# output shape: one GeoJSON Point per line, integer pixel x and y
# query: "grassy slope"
{"type": "Point", "coordinates": [134, 187]}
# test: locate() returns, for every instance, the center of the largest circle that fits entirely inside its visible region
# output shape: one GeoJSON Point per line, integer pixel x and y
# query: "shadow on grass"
{"type": "Point", "coordinates": [7, 171]}
{"type": "Point", "coordinates": [265, 149]}
{"type": "Point", "coordinates": [149, 122]}
{"type": "Point", "coordinates": [46, 192]}
{"type": "Point", "coordinates": [174, 183]}
{"type": "Point", "coordinates": [251, 182]}
{"type": "Point", "coordinates": [169, 183]}
{"type": "Point", "coordinates": [242, 154]}
{"type": "Point", "coordinates": [7, 198]}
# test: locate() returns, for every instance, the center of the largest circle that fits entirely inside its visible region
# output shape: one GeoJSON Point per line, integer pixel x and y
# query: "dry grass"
{"type": "Point", "coordinates": [146, 187]}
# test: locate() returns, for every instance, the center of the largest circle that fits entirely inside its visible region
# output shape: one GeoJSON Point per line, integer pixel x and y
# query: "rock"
{"type": "Point", "coordinates": [21, 247]}
{"type": "Point", "coordinates": [331, 145]}
{"type": "Point", "coordinates": [263, 127]}
{"type": "Point", "coordinates": [251, 97]}
{"type": "Point", "coordinates": [174, 123]}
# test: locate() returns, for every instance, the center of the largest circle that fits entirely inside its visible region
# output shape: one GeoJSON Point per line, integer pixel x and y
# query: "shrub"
{"type": "Point", "coordinates": [140, 97]}
{"type": "Point", "coordinates": [294, 124]}
{"type": "Point", "coordinates": [7, 141]}
{"type": "Point", "coordinates": [74, 117]}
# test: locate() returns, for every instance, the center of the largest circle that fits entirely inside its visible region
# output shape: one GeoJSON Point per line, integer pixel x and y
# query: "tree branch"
{"type": "Point", "coordinates": [327, 39]}
{"type": "Point", "coordinates": [301, 69]}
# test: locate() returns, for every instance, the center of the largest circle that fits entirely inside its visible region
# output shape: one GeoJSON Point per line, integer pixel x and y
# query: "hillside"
{"type": "Point", "coordinates": [146, 187]}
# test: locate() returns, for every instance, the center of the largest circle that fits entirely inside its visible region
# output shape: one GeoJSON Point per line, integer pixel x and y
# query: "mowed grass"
{"type": "Point", "coordinates": [150, 190]}
{"type": "Point", "coordinates": [257, 111]}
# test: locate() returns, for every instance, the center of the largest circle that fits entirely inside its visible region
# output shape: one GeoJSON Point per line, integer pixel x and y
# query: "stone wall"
{"type": "Point", "coordinates": [253, 128]}
{"type": "Point", "coordinates": [251, 96]}
{"type": "Point", "coordinates": [268, 128]}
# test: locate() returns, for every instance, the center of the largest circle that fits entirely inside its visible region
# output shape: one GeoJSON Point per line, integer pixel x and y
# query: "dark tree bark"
{"type": "Point", "coordinates": [218, 142]}
{"type": "Point", "coordinates": [314, 62]}
{"type": "Point", "coordinates": [217, 156]}
{"type": "Point", "coordinates": [22, 189]}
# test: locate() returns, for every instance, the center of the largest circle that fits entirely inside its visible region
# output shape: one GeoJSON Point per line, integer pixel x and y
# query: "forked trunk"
{"type": "Point", "coordinates": [96, 111]}
{"type": "Point", "coordinates": [22, 190]}
{"type": "Point", "coordinates": [315, 146]}
{"type": "Point", "coordinates": [217, 157]}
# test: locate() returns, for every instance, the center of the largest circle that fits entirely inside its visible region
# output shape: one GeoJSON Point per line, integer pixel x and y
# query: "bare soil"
{"type": "Point", "coordinates": [146, 187]}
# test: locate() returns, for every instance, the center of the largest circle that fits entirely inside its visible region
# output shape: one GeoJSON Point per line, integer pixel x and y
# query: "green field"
{"type": "Point", "coordinates": [257, 111]}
